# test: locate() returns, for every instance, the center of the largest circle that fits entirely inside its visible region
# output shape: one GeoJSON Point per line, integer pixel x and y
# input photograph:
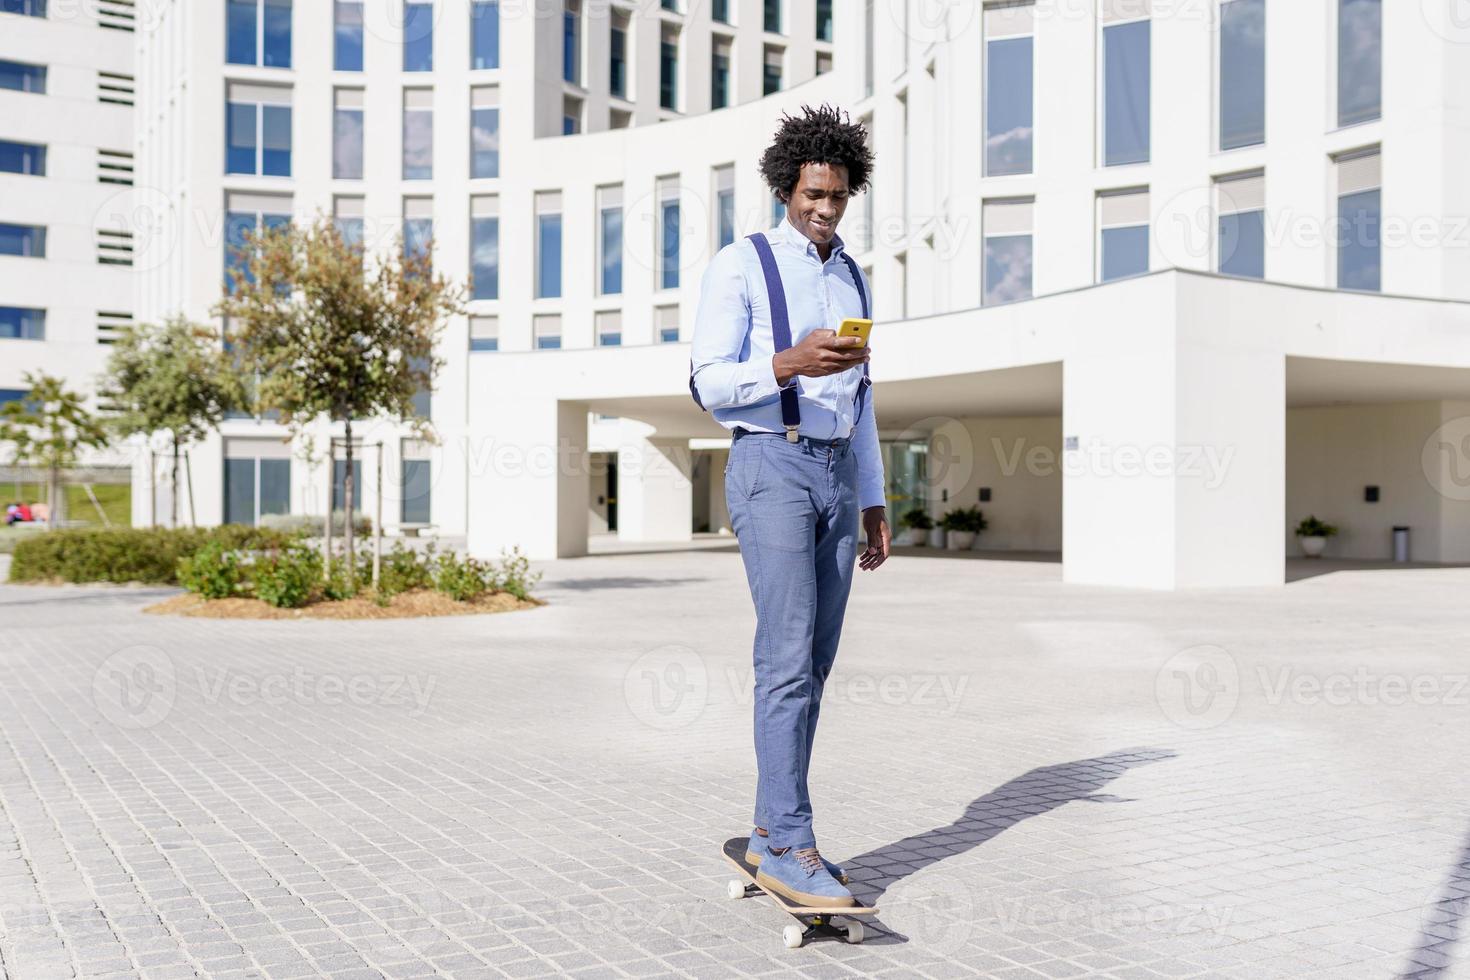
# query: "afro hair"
{"type": "Point", "coordinates": [821, 135]}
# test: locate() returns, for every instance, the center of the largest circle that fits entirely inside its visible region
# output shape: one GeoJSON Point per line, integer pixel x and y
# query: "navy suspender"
{"type": "Point", "coordinates": [780, 331]}
{"type": "Point", "coordinates": [781, 334]}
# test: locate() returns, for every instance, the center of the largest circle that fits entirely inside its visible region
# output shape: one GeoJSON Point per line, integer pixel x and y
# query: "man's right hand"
{"type": "Point", "coordinates": [820, 353]}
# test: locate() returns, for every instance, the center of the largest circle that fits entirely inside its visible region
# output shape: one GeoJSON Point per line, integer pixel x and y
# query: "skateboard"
{"type": "Point", "coordinates": [813, 921]}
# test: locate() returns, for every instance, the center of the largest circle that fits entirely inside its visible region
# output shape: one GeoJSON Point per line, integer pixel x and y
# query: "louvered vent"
{"type": "Point", "coordinates": [115, 88]}
{"type": "Point", "coordinates": [114, 167]}
{"type": "Point", "coordinates": [114, 247]}
{"type": "Point", "coordinates": [119, 15]}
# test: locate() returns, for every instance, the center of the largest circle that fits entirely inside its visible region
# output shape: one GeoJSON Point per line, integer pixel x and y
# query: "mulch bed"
{"type": "Point", "coordinates": [412, 604]}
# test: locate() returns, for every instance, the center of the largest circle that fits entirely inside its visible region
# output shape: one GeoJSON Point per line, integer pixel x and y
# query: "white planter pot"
{"type": "Point", "coordinates": [915, 537]}
{"type": "Point", "coordinates": [961, 540]}
{"type": "Point", "coordinates": [1312, 546]}
{"type": "Point", "coordinates": [936, 537]}
{"type": "Point", "coordinates": [975, 545]}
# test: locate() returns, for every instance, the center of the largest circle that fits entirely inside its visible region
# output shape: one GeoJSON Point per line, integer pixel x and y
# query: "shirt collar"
{"type": "Point", "coordinates": [787, 232]}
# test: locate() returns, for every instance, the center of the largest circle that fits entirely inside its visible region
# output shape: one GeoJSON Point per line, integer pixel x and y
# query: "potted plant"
{"type": "Point", "coordinates": [962, 525]}
{"type": "Point", "coordinates": [1313, 535]}
{"type": "Point", "coordinates": [917, 523]}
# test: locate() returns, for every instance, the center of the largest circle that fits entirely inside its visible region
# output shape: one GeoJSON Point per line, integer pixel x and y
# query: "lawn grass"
{"type": "Point", "coordinates": [116, 500]}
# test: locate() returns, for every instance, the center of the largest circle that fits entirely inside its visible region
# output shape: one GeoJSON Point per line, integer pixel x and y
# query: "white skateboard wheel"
{"type": "Point", "coordinates": [854, 931]}
{"type": "Point", "coordinates": [734, 889]}
{"type": "Point", "coordinates": [793, 936]}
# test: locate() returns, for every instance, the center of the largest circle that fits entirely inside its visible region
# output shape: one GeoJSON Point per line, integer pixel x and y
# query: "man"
{"type": "Point", "coordinates": [804, 460]}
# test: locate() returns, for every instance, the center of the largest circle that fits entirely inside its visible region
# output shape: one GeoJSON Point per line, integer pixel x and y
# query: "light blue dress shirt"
{"type": "Point", "coordinates": [732, 347]}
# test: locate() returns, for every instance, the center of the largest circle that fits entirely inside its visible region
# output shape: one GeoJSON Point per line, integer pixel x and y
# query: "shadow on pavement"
{"type": "Point", "coordinates": [1032, 794]}
{"type": "Point", "coordinates": [1433, 952]}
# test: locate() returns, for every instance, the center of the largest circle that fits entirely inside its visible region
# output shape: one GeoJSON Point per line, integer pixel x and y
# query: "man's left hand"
{"type": "Point", "coordinates": [875, 529]}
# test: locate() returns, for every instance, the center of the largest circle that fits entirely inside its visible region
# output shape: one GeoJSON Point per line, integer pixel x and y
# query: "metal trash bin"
{"type": "Point", "coordinates": [1400, 544]}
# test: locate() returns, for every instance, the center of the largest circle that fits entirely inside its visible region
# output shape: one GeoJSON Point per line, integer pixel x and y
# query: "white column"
{"type": "Point", "coordinates": [1177, 475]}
{"type": "Point", "coordinates": [528, 478]}
{"type": "Point", "coordinates": [655, 492]}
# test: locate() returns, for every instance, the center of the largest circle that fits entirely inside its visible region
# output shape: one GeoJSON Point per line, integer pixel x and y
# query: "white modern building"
{"type": "Point", "coordinates": [66, 181]}
{"type": "Point", "coordinates": [1153, 279]}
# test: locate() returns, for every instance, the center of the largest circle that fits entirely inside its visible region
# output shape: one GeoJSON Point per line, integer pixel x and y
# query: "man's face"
{"type": "Point", "coordinates": [819, 200]}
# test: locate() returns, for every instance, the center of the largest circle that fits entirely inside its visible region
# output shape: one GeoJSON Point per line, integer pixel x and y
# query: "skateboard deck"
{"type": "Point", "coordinates": [814, 921]}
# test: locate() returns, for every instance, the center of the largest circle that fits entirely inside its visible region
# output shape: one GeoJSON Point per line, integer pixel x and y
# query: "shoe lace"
{"type": "Point", "coordinates": [809, 859]}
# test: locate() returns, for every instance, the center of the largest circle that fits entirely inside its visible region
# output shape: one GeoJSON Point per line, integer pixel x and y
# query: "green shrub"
{"type": "Point", "coordinates": [287, 578]}
{"type": "Point", "coordinates": [212, 572]}
{"type": "Point", "coordinates": [462, 579]}
{"type": "Point", "coordinates": [127, 554]}
{"type": "Point", "coordinates": [515, 575]}
{"type": "Point", "coordinates": [964, 519]}
{"type": "Point", "coordinates": [917, 519]}
{"type": "Point", "coordinates": [1311, 527]}
{"type": "Point", "coordinates": [403, 569]}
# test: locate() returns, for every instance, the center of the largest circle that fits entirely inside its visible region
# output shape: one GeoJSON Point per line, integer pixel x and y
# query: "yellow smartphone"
{"type": "Point", "coordinates": [856, 327]}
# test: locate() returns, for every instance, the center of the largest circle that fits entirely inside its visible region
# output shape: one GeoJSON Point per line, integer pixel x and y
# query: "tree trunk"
{"type": "Point", "coordinates": [173, 520]}
{"type": "Point", "coordinates": [347, 489]}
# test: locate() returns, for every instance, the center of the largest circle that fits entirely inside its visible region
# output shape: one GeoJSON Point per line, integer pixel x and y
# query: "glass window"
{"type": "Point", "coordinates": [548, 244]}
{"type": "Point", "coordinates": [617, 82]}
{"type": "Point", "coordinates": [609, 328]}
{"type": "Point", "coordinates": [1242, 73]}
{"type": "Point", "coordinates": [339, 483]}
{"type": "Point", "coordinates": [244, 214]}
{"type": "Point", "coordinates": [258, 32]}
{"type": "Point", "coordinates": [485, 247]}
{"type": "Point", "coordinates": [571, 52]}
{"type": "Point", "coordinates": [417, 486]}
{"type": "Point", "coordinates": [22, 323]}
{"type": "Point", "coordinates": [347, 215]}
{"type": "Point", "coordinates": [418, 134]}
{"type": "Point", "coordinates": [22, 158]}
{"type": "Point", "coordinates": [27, 241]}
{"type": "Point", "coordinates": [240, 31]}
{"type": "Point", "coordinates": [546, 329]}
{"type": "Point", "coordinates": [257, 481]}
{"type": "Point", "coordinates": [19, 77]}
{"type": "Point", "coordinates": [719, 75]}
{"type": "Point", "coordinates": [1123, 221]}
{"type": "Point", "coordinates": [347, 135]}
{"type": "Point", "coordinates": [1008, 89]}
{"type": "Point", "coordinates": [485, 34]}
{"type": "Point", "coordinates": [485, 132]}
{"type": "Point", "coordinates": [484, 333]}
{"type": "Point", "coordinates": [423, 398]}
{"type": "Point", "coordinates": [26, 8]}
{"type": "Point", "coordinates": [418, 36]}
{"type": "Point", "coordinates": [347, 35]}
{"type": "Point", "coordinates": [668, 233]}
{"type": "Point", "coordinates": [1359, 222]}
{"type": "Point", "coordinates": [1241, 232]}
{"type": "Point", "coordinates": [772, 16]}
{"type": "Point", "coordinates": [719, 10]}
{"type": "Point", "coordinates": [824, 62]}
{"type": "Point", "coordinates": [571, 116]}
{"type": "Point", "coordinates": [1359, 61]}
{"type": "Point", "coordinates": [668, 70]}
{"type": "Point", "coordinates": [666, 319]}
{"type": "Point", "coordinates": [258, 131]}
{"type": "Point", "coordinates": [1126, 82]}
{"type": "Point", "coordinates": [418, 226]}
{"type": "Point", "coordinates": [867, 47]}
{"type": "Point", "coordinates": [771, 73]}
{"type": "Point", "coordinates": [724, 206]}
{"type": "Point", "coordinates": [610, 240]}
{"type": "Point", "coordinates": [1007, 231]}
{"type": "Point", "coordinates": [824, 20]}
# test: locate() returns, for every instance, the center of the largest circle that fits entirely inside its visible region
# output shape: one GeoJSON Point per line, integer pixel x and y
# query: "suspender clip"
{"type": "Point", "coordinates": [791, 433]}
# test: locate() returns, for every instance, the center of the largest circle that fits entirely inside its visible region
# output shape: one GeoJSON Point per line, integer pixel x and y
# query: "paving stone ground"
{"type": "Point", "coordinates": [1032, 779]}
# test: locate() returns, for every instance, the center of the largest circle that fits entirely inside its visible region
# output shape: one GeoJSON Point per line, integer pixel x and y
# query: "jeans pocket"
{"type": "Point", "coordinates": [743, 471]}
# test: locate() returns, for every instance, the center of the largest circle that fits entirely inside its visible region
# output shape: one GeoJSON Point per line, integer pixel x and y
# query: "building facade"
{"type": "Point", "coordinates": [1153, 280]}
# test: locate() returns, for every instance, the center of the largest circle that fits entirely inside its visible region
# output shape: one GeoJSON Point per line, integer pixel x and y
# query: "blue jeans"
{"type": "Point", "coordinates": [794, 510]}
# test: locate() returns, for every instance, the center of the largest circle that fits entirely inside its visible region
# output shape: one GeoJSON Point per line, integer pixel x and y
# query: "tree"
{"type": "Point", "coordinates": [48, 429]}
{"type": "Point", "coordinates": [328, 336]}
{"type": "Point", "coordinates": [173, 378]}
